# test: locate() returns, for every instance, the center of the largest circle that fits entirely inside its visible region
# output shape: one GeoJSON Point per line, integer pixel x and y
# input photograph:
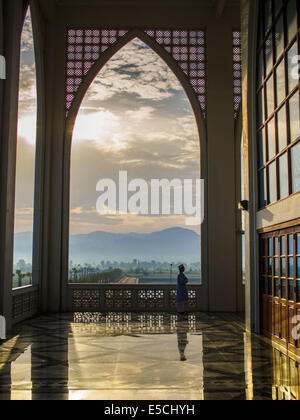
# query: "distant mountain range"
{"type": "Point", "coordinates": [176, 244]}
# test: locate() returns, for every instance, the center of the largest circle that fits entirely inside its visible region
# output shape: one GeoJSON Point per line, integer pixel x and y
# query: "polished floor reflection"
{"type": "Point", "coordinates": [144, 357]}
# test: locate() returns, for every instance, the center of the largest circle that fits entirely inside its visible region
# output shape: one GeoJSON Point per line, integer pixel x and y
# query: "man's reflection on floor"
{"type": "Point", "coordinates": [182, 336]}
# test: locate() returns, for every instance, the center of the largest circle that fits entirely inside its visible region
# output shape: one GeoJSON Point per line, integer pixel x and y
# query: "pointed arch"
{"type": "Point", "coordinates": [87, 48]}
{"type": "Point", "coordinates": [108, 54]}
{"type": "Point", "coordinates": [70, 123]}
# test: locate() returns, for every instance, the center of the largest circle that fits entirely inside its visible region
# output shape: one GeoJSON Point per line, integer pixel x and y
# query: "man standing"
{"type": "Point", "coordinates": [182, 293]}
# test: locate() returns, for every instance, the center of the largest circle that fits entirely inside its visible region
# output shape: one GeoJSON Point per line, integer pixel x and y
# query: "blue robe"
{"type": "Point", "coordinates": [182, 293]}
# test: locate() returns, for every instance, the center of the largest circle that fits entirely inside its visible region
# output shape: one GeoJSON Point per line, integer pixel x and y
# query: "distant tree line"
{"type": "Point", "coordinates": [82, 275]}
{"type": "Point", "coordinates": [140, 267]}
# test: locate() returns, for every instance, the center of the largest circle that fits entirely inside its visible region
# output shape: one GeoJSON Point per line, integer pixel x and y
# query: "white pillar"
{"type": "Point", "coordinates": [10, 40]}
{"type": "Point", "coordinates": [249, 47]}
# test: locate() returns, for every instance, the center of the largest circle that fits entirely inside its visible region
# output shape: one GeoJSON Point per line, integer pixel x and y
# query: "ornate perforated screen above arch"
{"type": "Point", "coordinates": [237, 72]}
{"type": "Point", "coordinates": [189, 51]}
{"type": "Point", "coordinates": [84, 49]}
{"type": "Point", "coordinates": [86, 46]}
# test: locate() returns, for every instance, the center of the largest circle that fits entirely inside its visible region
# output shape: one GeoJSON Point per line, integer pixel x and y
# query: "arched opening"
{"type": "Point", "coordinates": [25, 165]}
{"type": "Point", "coordinates": [135, 118]}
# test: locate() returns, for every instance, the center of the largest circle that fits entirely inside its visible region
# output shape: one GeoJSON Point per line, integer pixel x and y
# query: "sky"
{"type": "Point", "coordinates": [26, 140]}
{"type": "Point", "coordinates": [134, 117]}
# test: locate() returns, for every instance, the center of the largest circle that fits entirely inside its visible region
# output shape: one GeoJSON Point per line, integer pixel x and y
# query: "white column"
{"type": "Point", "coordinates": [10, 40]}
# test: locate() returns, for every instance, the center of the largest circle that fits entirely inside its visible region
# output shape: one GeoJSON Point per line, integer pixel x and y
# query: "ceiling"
{"type": "Point", "coordinates": [88, 3]}
{"type": "Point", "coordinates": [49, 7]}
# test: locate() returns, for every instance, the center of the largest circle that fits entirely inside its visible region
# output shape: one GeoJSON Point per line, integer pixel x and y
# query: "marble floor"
{"type": "Point", "coordinates": [142, 357]}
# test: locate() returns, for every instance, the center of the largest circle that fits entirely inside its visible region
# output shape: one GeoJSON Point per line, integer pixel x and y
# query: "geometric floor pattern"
{"type": "Point", "coordinates": [142, 357]}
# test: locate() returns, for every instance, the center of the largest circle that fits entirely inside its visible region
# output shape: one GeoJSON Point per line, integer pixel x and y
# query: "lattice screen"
{"type": "Point", "coordinates": [25, 304]}
{"type": "Point", "coordinates": [189, 50]}
{"type": "Point", "coordinates": [151, 299]}
{"type": "Point", "coordinates": [85, 46]}
{"type": "Point", "coordinates": [86, 299]}
{"type": "Point", "coordinates": [122, 298]}
{"type": "Point", "coordinates": [237, 72]}
{"type": "Point", "coordinates": [118, 299]}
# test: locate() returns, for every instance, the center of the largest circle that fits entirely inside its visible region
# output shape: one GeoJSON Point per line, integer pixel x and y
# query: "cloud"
{"type": "Point", "coordinates": [27, 127]}
{"type": "Point", "coordinates": [141, 160]}
{"type": "Point", "coordinates": [27, 92]}
{"type": "Point", "coordinates": [23, 220]}
{"type": "Point", "coordinates": [138, 70]}
{"type": "Point", "coordinates": [27, 33]}
{"type": "Point", "coordinates": [102, 127]}
{"type": "Point", "coordinates": [85, 219]}
{"type": "Point", "coordinates": [25, 174]}
{"type": "Point", "coordinates": [144, 113]}
{"type": "Point", "coordinates": [25, 212]}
